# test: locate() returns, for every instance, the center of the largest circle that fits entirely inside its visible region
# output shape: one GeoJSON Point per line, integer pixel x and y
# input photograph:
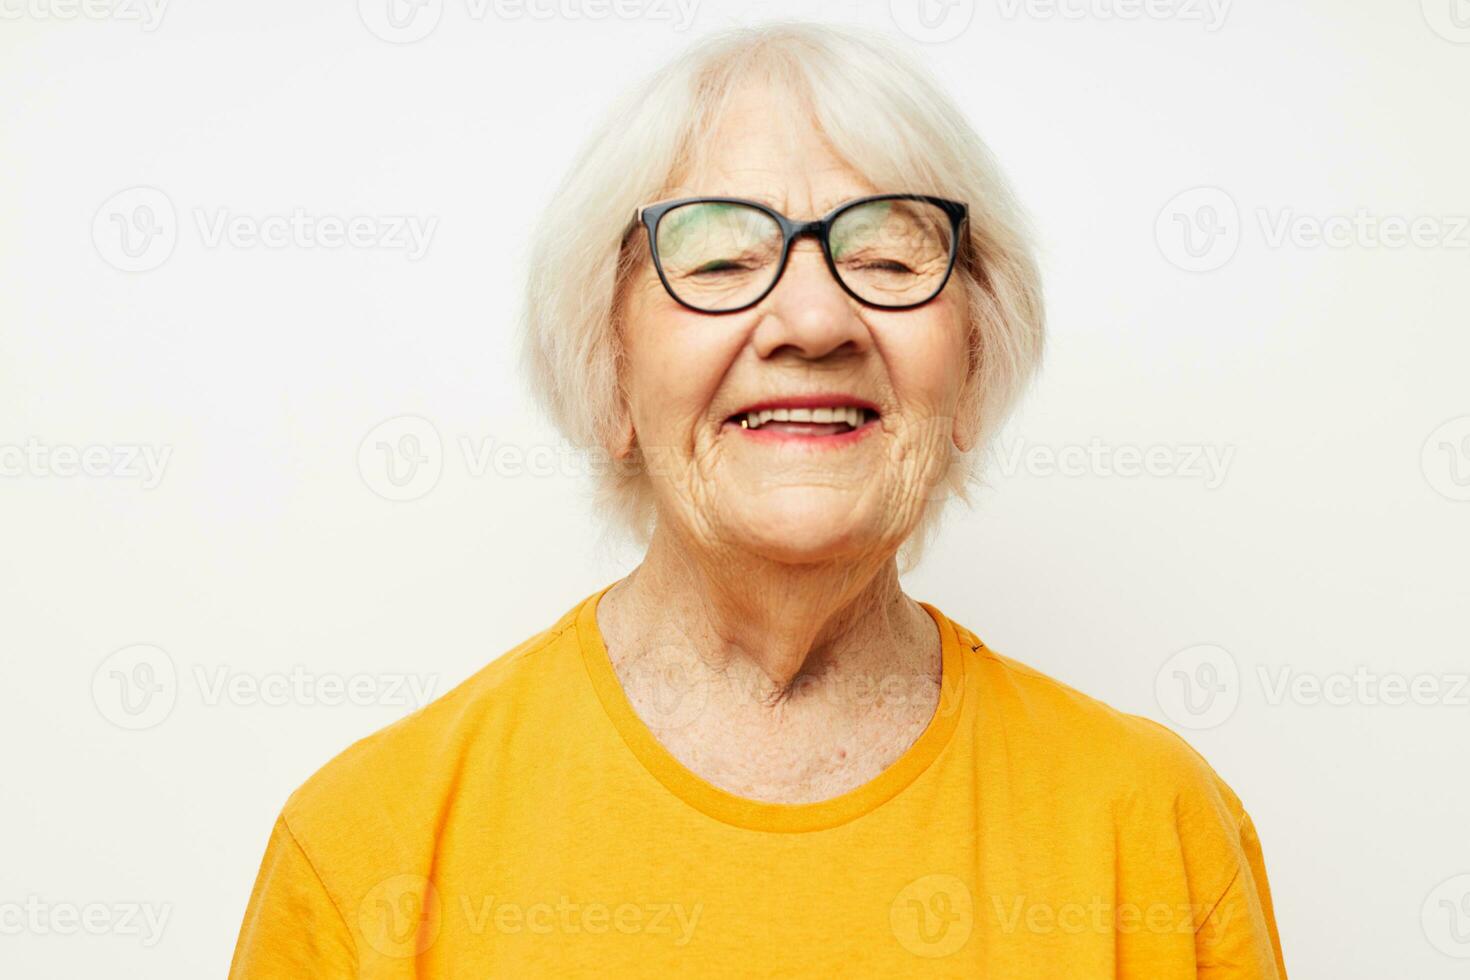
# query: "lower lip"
{"type": "Point", "coordinates": [788, 438]}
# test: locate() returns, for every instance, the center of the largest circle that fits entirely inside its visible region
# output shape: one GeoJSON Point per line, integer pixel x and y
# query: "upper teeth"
{"type": "Point", "coordinates": [853, 416]}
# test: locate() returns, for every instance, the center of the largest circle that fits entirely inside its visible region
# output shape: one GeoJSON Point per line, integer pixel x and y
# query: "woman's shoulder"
{"type": "Point", "coordinates": [397, 771]}
{"type": "Point", "coordinates": [1132, 789]}
{"type": "Point", "coordinates": [1085, 768]}
{"type": "Point", "coordinates": [1127, 758]}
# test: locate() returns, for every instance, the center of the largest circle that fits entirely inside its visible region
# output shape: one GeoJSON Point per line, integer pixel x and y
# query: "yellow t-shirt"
{"type": "Point", "coordinates": [528, 824]}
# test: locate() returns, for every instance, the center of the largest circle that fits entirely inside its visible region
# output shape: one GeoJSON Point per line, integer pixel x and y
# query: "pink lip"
{"type": "Point", "coordinates": [808, 401]}
{"type": "Point", "coordinates": [806, 442]}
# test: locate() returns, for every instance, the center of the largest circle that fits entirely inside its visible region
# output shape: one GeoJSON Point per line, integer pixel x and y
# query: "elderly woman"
{"type": "Point", "coordinates": [755, 755]}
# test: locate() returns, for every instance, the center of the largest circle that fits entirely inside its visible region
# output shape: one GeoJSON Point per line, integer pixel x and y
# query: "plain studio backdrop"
{"type": "Point", "coordinates": [271, 480]}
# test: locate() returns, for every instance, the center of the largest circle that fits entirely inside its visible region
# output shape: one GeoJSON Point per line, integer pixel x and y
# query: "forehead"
{"type": "Point", "coordinates": [766, 147]}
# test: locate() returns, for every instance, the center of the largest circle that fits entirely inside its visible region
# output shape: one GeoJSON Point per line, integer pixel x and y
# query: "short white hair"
{"type": "Point", "coordinates": [883, 114]}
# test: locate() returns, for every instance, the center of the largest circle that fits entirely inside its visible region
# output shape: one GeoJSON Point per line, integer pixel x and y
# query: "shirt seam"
{"type": "Point", "coordinates": [341, 917]}
{"type": "Point", "coordinates": [1239, 867]}
{"type": "Point", "coordinates": [660, 775]}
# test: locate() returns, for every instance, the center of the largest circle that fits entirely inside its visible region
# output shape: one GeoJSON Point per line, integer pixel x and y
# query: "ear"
{"type": "Point", "coordinates": [963, 435]}
{"type": "Point", "coordinates": [967, 407]}
{"type": "Point", "coordinates": [621, 439]}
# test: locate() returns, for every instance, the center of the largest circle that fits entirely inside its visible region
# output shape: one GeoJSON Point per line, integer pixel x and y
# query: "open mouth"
{"type": "Point", "coordinates": [800, 419]}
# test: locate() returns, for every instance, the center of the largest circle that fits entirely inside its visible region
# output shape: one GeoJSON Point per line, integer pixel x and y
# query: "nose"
{"type": "Point", "coordinates": [808, 315]}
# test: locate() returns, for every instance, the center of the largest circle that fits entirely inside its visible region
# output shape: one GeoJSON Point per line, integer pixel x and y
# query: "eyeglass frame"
{"type": "Point", "coordinates": [650, 215]}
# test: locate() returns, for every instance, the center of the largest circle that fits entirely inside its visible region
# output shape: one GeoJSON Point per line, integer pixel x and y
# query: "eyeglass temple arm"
{"type": "Point", "coordinates": [633, 224]}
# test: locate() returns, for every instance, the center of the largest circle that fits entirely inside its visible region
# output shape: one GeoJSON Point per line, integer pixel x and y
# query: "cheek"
{"type": "Point", "coordinates": [675, 361]}
{"type": "Point", "coordinates": [927, 361]}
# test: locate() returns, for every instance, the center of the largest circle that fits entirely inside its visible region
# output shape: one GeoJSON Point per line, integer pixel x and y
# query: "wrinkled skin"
{"type": "Point", "coordinates": [771, 582]}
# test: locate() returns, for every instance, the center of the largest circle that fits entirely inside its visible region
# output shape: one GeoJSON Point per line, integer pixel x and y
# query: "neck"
{"type": "Point", "coordinates": [771, 623]}
{"type": "Point", "coordinates": [775, 682]}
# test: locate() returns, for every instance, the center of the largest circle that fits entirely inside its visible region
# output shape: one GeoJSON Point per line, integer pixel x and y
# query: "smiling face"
{"type": "Point", "coordinates": [808, 427]}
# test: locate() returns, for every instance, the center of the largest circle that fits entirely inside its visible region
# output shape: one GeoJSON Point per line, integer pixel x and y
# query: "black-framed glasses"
{"type": "Point", "coordinates": [725, 254]}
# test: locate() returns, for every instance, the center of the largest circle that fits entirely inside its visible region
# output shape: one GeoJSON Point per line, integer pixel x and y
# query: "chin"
{"type": "Point", "coordinates": [811, 527]}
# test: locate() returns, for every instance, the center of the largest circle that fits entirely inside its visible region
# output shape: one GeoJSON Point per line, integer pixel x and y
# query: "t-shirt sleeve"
{"type": "Point", "coordinates": [1238, 939]}
{"type": "Point", "coordinates": [292, 928]}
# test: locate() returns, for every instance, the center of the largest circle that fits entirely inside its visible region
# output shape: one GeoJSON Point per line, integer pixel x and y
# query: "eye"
{"type": "Point", "coordinates": [884, 265]}
{"type": "Point", "coordinates": [719, 265]}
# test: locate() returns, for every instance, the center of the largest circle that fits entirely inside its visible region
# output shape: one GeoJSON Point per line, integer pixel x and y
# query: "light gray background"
{"type": "Point", "coordinates": [168, 637]}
